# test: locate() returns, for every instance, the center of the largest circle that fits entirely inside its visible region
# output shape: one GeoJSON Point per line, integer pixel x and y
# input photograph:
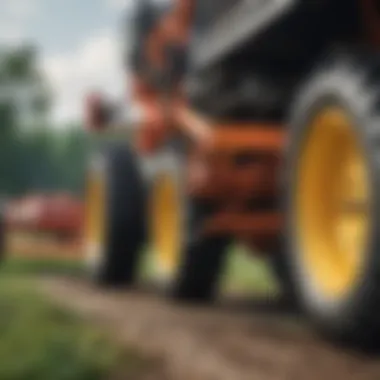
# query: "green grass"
{"type": "Point", "coordinates": [40, 341]}
{"type": "Point", "coordinates": [247, 273]}
{"type": "Point", "coordinates": [244, 272]}
{"type": "Point", "coordinates": [21, 266]}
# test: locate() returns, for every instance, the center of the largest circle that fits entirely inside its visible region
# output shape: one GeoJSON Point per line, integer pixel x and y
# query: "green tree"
{"type": "Point", "coordinates": [24, 96]}
{"type": "Point", "coordinates": [35, 156]}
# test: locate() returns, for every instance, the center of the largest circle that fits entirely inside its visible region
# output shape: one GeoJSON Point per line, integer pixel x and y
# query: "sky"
{"type": "Point", "coordinates": [79, 44]}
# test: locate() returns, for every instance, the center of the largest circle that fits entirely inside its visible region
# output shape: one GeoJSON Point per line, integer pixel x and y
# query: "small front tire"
{"type": "Point", "coordinates": [114, 232]}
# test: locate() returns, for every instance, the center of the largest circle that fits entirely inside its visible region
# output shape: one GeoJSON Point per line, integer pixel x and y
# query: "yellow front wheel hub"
{"type": "Point", "coordinates": [166, 223]}
{"type": "Point", "coordinates": [95, 209]}
{"type": "Point", "coordinates": [333, 203]}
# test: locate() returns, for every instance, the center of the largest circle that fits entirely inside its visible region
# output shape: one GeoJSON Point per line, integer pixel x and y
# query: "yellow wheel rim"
{"type": "Point", "coordinates": [166, 223]}
{"type": "Point", "coordinates": [332, 201]}
{"type": "Point", "coordinates": [94, 231]}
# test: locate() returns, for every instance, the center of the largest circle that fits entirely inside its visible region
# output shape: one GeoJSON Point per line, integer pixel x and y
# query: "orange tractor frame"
{"type": "Point", "coordinates": [298, 188]}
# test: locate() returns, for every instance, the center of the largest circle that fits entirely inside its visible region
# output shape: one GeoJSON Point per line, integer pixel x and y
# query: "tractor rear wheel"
{"type": "Point", "coordinates": [114, 230]}
{"type": "Point", "coordinates": [333, 202]}
{"type": "Point", "coordinates": [188, 264]}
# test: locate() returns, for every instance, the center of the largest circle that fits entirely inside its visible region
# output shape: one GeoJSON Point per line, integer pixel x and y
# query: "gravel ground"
{"type": "Point", "coordinates": [240, 339]}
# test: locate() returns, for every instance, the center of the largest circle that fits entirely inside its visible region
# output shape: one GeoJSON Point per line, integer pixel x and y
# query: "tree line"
{"type": "Point", "coordinates": [35, 156]}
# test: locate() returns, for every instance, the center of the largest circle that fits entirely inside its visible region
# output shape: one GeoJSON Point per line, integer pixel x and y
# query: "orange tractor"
{"type": "Point", "coordinates": [259, 122]}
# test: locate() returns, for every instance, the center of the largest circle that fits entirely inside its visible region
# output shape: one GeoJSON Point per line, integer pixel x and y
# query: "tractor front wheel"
{"type": "Point", "coordinates": [114, 231]}
{"type": "Point", "coordinates": [188, 264]}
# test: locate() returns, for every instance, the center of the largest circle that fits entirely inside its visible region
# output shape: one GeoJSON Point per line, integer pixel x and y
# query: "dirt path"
{"type": "Point", "coordinates": [227, 342]}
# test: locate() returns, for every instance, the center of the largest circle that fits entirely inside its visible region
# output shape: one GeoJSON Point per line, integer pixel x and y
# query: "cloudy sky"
{"type": "Point", "coordinates": [79, 43]}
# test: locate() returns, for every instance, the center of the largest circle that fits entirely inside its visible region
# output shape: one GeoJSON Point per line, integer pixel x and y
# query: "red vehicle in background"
{"type": "Point", "coordinates": [56, 214]}
{"type": "Point", "coordinates": [2, 229]}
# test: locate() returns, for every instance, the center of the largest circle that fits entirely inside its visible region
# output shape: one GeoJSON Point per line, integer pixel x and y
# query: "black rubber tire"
{"type": "Point", "coordinates": [203, 261]}
{"type": "Point", "coordinates": [202, 258]}
{"type": "Point", "coordinates": [352, 82]}
{"type": "Point", "coordinates": [279, 265]}
{"type": "Point", "coordinates": [125, 216]}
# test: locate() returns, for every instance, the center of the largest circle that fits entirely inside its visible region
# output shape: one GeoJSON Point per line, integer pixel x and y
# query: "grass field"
{"type": "Point", "coordinates": [244, 273]}
{"type": "Point", "coordinates": [42, 266]}
{"type": "Point", "coordinates": [40, 341]}
{"type": "Point", "coordinates": [247, 273]}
